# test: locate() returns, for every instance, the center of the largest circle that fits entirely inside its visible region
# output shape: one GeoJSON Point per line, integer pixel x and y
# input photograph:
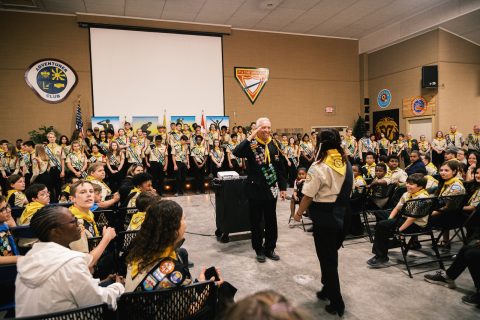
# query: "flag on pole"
{"type": "Point", "coordinates": [204, 122]}
{"type": "Point", "coordinates": [78, 120]}
{"type": "Point", "coordinates": [165, 118]}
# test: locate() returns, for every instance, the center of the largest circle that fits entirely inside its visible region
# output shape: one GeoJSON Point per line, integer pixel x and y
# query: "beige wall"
{"type": "Point", "coordinates": [459, 79]}
{"type": "Point", "coordinates": [26, 38]}
{"type": "Point", "coordinates": [399, 69]}
{"type": "Point", "coordinates": [306, 75]}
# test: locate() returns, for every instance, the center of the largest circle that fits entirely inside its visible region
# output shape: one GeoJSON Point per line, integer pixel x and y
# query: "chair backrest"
{"type": "Point", "coordinates": [382, 191]}
{"type": "Point", "coordinates": [100, 311]}
{"type": "Point", "coordinates": [418, 208]}
{"type": "Point", "coordinates": [8, 274]}
{"type": "Point", "coordinates": [93, 242]}
{"type": "Point", "coordinates": [196, 301]}
{"type": "Point", "coordinates": [125, 216]}
{"type": "Point", "coordinates": [22, 232]}
{"type": "Point", "coordinates": [122, 245]}
{"type": "Point", "coordinates": [452, 203]}
{"type": "Point", "coordinates": [104, 218]}
{"type": "Point", "coordinates": [396, 195]}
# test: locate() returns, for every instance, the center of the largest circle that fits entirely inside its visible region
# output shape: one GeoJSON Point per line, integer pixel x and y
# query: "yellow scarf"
{"type": "Point", "coordinates": [30, 210]}
{"type": "Point", "coordinates": [431, 165]}
{"type": "Point", "coordinates": [450, 182]}
{"type": "Point", "coordinates": [136, 221]}
{"type": "Point", "coordinates": [90, 178]}
{"type": "Point", "coordinates": [168, 253]}
{"type": "Point", "coordinates": [267, 152]}
{"type": "Point", "coordinates": [361, 179]}
{"type": "Point", "coordinates": [418, 193]}
{"type": "Point", "coordinates": [335, 161]}
{"type": "Point", "coordinates": [86, 216]}
{"type": "Point", "coordinates": [135, 190]}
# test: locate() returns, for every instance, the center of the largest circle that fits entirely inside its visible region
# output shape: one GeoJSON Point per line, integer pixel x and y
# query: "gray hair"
{"type": "Point", "coordinates": [260, 120]}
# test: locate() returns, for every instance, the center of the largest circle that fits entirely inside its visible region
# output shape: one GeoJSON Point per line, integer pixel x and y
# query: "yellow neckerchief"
{"type": "Point", "coordinates": [450, 182]}
{"type": "Point", "coordinates": [409, 142]}
{"type": "Point", "coordinates": [168, 253]}
{"type": "Point", "coordinates": [335, 161]}
{"type": "Point", "coordinates": [431, 165]}
{"type": "Point", "coordinates": [440, 139]}
{"type": "Point", "coordinates": [30, 210]}
{"type": "Point", "coordinates": [97, 155]}
{"type": "Point", "coordinates": [265, 143]}
{"type": "Point", "coordinates": [135, 190]}
{"type": "Point", "coordinates": [52, 146]}
{"type": "Point", "coordinates": [474, 195]}
{"type": "Point", "coordinates": [67, 189]}
{"type": "Point", "coordinates": [285, 143]}
{"type": "Point", "coordinates": [373, 165]}
{"type": "Point", "coordinates": [429, 177]}
{"type": "Point", "coordinates": [90, 178]}
{"type": "Point", "coordinates": [418, 193]}
{"type": "Point", "coordinates": [86, 216]}
{"type": "Point", "coordinates": [136, 221]}
{"type": "Point", "coordinates": [10, 193]}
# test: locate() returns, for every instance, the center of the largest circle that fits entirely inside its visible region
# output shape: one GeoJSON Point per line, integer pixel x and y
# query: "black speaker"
{"type": "Point", "coordinates": [429, 76]}
{"type": "Point", "coordinates": [366, 101]}
{"type": "Point", "coordinates": [231, 205]}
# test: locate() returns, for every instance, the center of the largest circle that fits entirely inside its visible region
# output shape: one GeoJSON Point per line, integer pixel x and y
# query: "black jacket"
{"type": "Point", "coordinates": [257, 187]}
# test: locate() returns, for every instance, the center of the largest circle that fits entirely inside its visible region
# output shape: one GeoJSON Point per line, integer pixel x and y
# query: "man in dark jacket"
{"type": "Point", "coordinates": [266, 180]}
{"type": "Point", "coordinates": [416, 164]}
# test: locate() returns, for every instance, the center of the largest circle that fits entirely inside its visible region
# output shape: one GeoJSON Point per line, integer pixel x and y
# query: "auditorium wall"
{"type": "Point", "coordinates": [307, 74]}
{"type": "Point", "coordinates": [399, 69]}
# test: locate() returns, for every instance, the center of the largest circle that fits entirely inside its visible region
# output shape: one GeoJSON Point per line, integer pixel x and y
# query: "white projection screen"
{"type": "Point", "coordinates": [140, 73]}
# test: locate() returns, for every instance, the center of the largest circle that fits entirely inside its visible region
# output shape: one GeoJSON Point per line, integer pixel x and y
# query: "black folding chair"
{"type": "Point", "coordinates": [22, 232]}
{"type": "Point", "coordinates": [197, 301]}
{"type": "Point", "coordinates": [17, 212]}
{"type": "Point", "coordinates": [122, 244]}
{"type": "Point", "coordinates": [100, 311]}
{"type": "Point", "coordinates": [452, 205]}
{"type": "Point", "coordinates": [417, 208]}
{"type": "Point", "coordinates": [104, 218]}
{"type": "Point", "coordinates": [125, 216]}
{"type": "Point", "coordinates": [8, 274]}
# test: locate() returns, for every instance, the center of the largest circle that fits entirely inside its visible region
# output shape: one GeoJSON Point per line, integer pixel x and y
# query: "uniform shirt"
{"type": "Point", "coordinates": [39, 167]}
{"type": "Point", "coordinates": [451, 187]}
{"type": "Point", "coordinates": [349, 145]}
{"type": "Point", "coordinates": [77, 160]}
{"type": "Point", "coordinates": [180, 153]}
{"type": "Point", "coordinates": [431, 169]}
{"type": "Point", "coordinates": [384, 144]}
{"type": "Point", "coordinates": [199, 153]}
{"type": "Point", "coordinates": [397, 176]}
{"type": "Point", "coordinates": [26, 161]}
{"type": "Point", "coordinates": [439, 144]}
{"type": "Point", "coordinates": [475, 198]}
{"type": "Point", "coordinates": [369, 170]}
{"type": "Point", "coordinates": [57, 152]}
{"type": "Point", "coordinates": [454, 139]}
{"type": "Point", "coordinates": [306, 148]}
{"type": "Point", "coordinates": [212, 135]}
{"type": "Point", "coordinates": [431, 182]}
{"type": "Point", "coordinates": [421, 222]}
{"type": "Point", "coordinates": [135, 154]}
{"type": "Point", "coordinates": [473, 142]}
{"type": "Point", "coordinates": [359, 182]}
{"type": "Point", "coordinates": [96, 157]}
{"type": "Point", "coordinates": [174, 138]}
{"type": "Point", "coordinates": [323, 184]}
{"type": "Point", "coordinates": [157, 153]}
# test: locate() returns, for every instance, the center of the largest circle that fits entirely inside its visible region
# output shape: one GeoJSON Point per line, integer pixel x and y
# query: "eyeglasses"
{"type": "Point", "coordinates": [73, 221]}
{"type": "Point", "coordinates": [5, 209]}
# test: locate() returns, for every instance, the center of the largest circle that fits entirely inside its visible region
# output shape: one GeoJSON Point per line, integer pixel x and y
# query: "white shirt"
{"type": "Point", "coordinates": [53, 278]}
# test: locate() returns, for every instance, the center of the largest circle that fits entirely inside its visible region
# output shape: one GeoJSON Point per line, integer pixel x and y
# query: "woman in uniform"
{"type": "Point", "coordinates": [116, 165]}
{"type": "Point", "coordinates": [156, 158]}
{"type": "Point", "coordinates": [306, 152]}
{"type": "Point", "coordinates": [439, 144]}
{"type": "Point", "coordinates": [383, 145]}
{"type": "Point", "coordinates": [217, 156]}
{"type": "Point", "coordinates": [292, 153]}
{"type": "Point", "coordinates": [40, 168]}
{"type": "Point", "coordinates": [327, 190]}
{"type": "Point", "coordinates": [76, 161]}
{"type": "Point", "coordinates": [424, 146]}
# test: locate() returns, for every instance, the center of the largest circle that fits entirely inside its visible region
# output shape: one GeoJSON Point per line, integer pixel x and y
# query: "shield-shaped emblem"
{"type": "Point", "coordinates": [252, 80]}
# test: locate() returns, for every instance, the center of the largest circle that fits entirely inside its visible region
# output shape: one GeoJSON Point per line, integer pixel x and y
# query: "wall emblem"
{"type": "Point", "coordinates": [384, 98]}
{"type": "Point", "coordinates": [419, 106]}
{"type": "Point", "coordinates": [252, 80]}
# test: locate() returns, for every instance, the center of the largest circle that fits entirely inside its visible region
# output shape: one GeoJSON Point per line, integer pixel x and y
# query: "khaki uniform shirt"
{"type": "Point", "coordinates": [323, 184]}
{"type": "Point", "coordinates": [421, 222]}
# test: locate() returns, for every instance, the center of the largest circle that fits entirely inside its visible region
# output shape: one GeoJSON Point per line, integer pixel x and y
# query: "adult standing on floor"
{"type": "Point", "coordinates": [266, 180]}
{"type": "Point", "coordinates": [326, 191]}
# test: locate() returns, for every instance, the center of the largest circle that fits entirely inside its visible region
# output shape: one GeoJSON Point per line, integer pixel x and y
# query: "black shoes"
{"type": "Point", "coordinates": [378, 262]}
{"type": "Point", "coordinates": [260, 256]}
{"type": "Point", "coordinates": [440, 279]}
{"type": "Point", "coordinates": [270, 254]}
{"type": "Point", "coordinates": [322, 295]}
{"type": "Point", "coordinates": [472, 300]}
{"type": "Point", "coordinates": [340, 310]}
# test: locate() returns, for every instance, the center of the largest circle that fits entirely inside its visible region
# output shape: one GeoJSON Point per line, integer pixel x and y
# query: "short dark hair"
{"type": "Point", "coordinates": [29, 143]}
{"type": "Point", "coordinates": [451, 151]}
{"type": "Point", "coordinates": [418, 179]}
{"type": "Point", "coordinates": [427, 157]}
{"type": "Point", "coordinates": [301, 169]}
{"type": "Point", "coordinates": [224, 127]}
{"type": "Point", "coordinates": [393, 156]}
{"type": "Point", "coordinates": [33, 190]}
{"type": "Point", "coordinates": [370, 153]}
{"type": "Point", "coordinates": [415, 152]}
{"type": "Point", "coordinates": [141, 178]}
{"type": "Point", "coordinates": [233, 135]}
{"type": "Point", "coordinates": [145, 199]}
{"type": "Point", "coordinates": [199, 137]}
{"type": "Point", "coordinates": [184, 137]}
{"type": "Point", "coordinates": [382, 165]}
{"type": "Point", "coordinates": [13, 179]}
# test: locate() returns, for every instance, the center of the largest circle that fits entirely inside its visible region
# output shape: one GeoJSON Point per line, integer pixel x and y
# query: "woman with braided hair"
{"type": "Point", "coordinates": [327, 190]}
{"type": "Point", "coordinates": [53, 278]}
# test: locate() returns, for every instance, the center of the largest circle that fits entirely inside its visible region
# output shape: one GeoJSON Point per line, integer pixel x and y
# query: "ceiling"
{"type": "Point", "coordinates": [354, 19]}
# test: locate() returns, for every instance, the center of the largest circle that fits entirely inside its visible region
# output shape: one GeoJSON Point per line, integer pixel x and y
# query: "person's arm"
{"type": "Point", "coordinates": [304, 204]}
{"type": "Point", "coordinates": [188, 159]}
{"type": "Point", "coordinates": [394, 212]}
{"type": "Point", "coordinates": [86, 290]}
{"type": "Point", "coordinates": [108, 235]}
{"type": "Point", "coordinates": [166, 161]}
{"type": "Point", "coordinates": [407, 223]}
{"type": "Point", "coordinates": [8, 259]}
{"type": "Point", "coordinates": [108, 203]}
{"type": "Point", "coordinates": [108, 165]}
{"type": "Point", "coordinates": [229, 158]}
{"type": "Point", "coordinates": [85, 165]}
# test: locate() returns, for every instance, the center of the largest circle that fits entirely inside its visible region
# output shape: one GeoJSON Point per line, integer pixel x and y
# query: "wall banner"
{"type": "Point", "coordinates": [386, 122]}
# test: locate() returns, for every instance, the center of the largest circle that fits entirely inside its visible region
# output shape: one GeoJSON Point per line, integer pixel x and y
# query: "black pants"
{"type": "Point", "coordinates": [156, 169]}
{"type": "Point", "coordinates": [263, 220]}
{"type": "Point", "coordinates": [467, 257]}
{"type": "Point", "coordinates": [56, 184]}
{"type": "Point", "coordinates": [384, 230]}
{"type": "Point", "coordinates": [180, 176]}
{"type": "Point", "coordinates": [199, 174]}
{"type": "Point", "coordinates": [114, 179]}
{"type": "Point", "coordinates": [328, 239]}
{"type": "Point", "coordinates": [292, 174]}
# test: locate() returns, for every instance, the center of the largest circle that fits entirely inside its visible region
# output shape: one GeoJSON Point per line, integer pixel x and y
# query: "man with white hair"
{"type": "Point", "coordinates": [454, 138]}
{"type": "Point", "coordinates": [473, 140]}
{"type": "Point", "coordinates": [266, 180]}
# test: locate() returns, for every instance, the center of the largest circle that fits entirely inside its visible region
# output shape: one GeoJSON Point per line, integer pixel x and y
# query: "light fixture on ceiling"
{"type": "Point", "coordinates": [270, 4]}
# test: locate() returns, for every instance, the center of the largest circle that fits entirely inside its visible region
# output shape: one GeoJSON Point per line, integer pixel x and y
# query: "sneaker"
{"type": "Point", "coordinates": [378, 262]}
{"type": "Point", "coordinates": [260, 256]}
{"type": "Point", "coordinates": [472, 300]}
{"type": "Point", "coordinates": [440, 279]}
{"type": "Point", "coordinates": [270, 254]}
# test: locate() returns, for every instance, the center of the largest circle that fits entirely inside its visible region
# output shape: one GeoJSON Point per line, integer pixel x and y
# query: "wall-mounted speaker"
{"type": "Point", "coordinates": [429, 76]}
